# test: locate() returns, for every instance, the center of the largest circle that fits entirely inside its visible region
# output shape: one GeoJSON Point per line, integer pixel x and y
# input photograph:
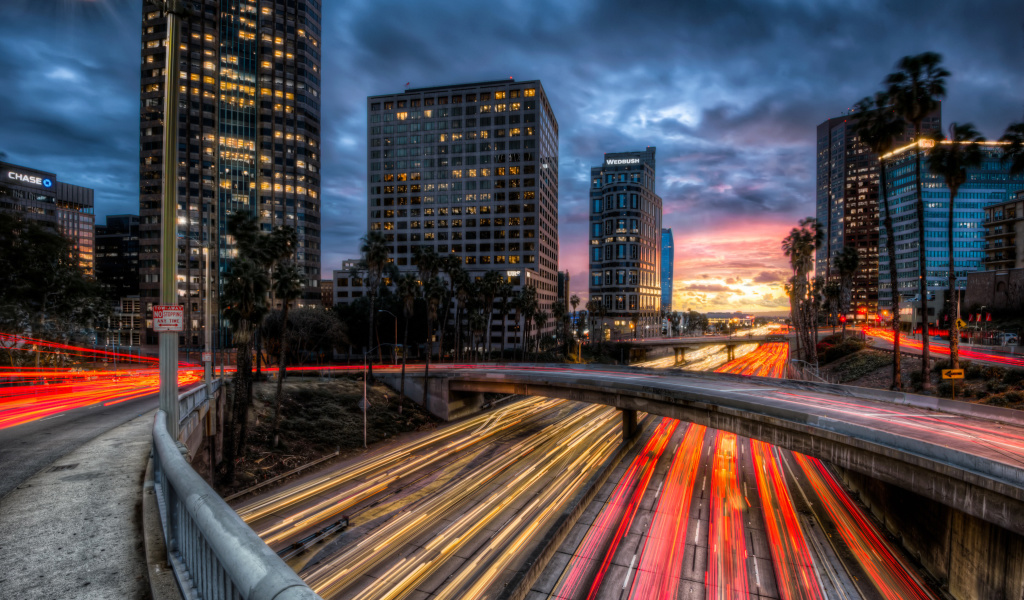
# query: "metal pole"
{"type": "Point", "coordinates": [169, 217]}
{"type": "Point", "coordinates": [208, 322]}
{"type": "Point", "coordinates": [364, 401]}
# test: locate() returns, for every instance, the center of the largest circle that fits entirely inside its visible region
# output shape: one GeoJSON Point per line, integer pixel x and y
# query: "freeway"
{"type": "Point", "coordinates": [941, 348]}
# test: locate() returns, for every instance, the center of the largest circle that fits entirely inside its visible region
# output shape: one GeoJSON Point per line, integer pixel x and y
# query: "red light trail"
{"type": "Point", "coordinates": [768, 360]}
{"type": "Point", "coordinates": [940, 349]}
{"type": "Point", "coordinates": [727, 546]}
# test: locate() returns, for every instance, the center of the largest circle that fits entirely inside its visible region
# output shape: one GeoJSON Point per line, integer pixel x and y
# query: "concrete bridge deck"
{"type": "Point", "coordinates": [965, 456]}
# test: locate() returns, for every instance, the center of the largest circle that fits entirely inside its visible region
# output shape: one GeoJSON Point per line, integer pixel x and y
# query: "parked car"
{"type": "Point", "coordinates": [1007, 339]}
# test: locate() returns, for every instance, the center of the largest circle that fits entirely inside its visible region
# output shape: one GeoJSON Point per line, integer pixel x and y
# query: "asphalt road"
{"type": "Point", "coordinates": [27, 449]}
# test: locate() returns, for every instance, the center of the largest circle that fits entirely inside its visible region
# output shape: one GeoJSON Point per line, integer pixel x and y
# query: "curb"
{"type": "Point", "coordinates": [518, 588]}
{"type": "Point", "coordinates": [162, 585]}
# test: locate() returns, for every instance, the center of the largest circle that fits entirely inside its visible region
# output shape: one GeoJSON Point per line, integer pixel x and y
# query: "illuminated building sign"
{"type": "Point", "coordinates": [622, 161]}
{"type": "Point", "coordinates": [32, 179]}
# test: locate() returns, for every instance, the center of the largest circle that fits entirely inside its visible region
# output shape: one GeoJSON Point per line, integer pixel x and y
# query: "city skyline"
{"type": "Point", "coordinates": [737, 140]}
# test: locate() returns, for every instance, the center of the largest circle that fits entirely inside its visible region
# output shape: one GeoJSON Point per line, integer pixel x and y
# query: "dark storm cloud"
{"type": "Point", "coordinates": [730, 92]}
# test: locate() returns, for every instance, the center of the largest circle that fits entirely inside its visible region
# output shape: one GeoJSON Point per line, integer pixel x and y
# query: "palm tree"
{"type": "Point", "coordinates": [374, 249]}
{"type": "Point", "coordinates": [916, 89]}
{"type": "Point", "coordinates": [505, 303]}
{"type": "Point", "coordinates": [490, 287]}
{"type": "Point", "coordinates": [540, 319]}
{"type": "Point", "coordinates": [1014, 152]}
{"type": "Point", "coordinates": [951, 161]}
{"type": "Point", "coordinates": [527, 306]}
{"type": "Point", "coordinates": [269, 250]}
{"type": "Point", "coordinates": [451, 265]}
{"type": "Point", "coordinates": [244, 305]}
{"type": "Point", "coordinates": [833, 295]}
{"type": "Point", "coordinates": [800, 246]}
{"type": "Point", "coordinates": [433, 293]}
{"type": "Point", "coordinates": [559, 312]}
{"type": "Point", "coordinates": [595, 309]}
{"type": "Point", "coordinates": [287, 287]}
{"type": "Point", "coordinates": [408, 289]}
{"type": "Point", "coordinates": [574, 300]}
{"type": "Point", "coordinates": [878, 126]}
{"type": "Point", "coordinates": [463, 285]}
{"type": "Point", "coordinates": [847, 262]}
{"type": "Point", "coordinates": [478, 322]}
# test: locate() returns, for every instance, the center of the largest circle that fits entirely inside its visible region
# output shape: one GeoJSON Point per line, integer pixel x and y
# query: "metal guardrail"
{"type": "Point", "coordinates": [213, 553]}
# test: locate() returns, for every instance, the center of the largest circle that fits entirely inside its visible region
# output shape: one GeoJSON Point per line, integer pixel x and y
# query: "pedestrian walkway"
{"type": "Point", "coordinates": [74, 529]}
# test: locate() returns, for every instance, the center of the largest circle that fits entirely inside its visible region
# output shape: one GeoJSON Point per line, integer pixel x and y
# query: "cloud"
{"type": "Point", "coordinates": [714, 287]}
{"type": "Point", "coordinates": [770, 277]}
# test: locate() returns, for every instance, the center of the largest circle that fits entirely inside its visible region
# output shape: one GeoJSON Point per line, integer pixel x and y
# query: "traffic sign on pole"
{"type": "Point", "coordinates": [169, 317]}
{"type": "Point", "coordinates": [952, 373]}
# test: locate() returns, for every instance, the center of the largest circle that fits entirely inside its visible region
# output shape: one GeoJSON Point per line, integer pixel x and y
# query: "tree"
{"type": "Point", "coordinates": [574, 300]}
{"type": "Point", "coordinates": [244, 302]}
{"type": "Point", "coordinates": [800, 246]}
{"type": "Point", "coordinates": [374, 250]}
{"type": "Point", "coordinates": [428, 263]}
{"type": "Point", "coordinates": [560, 312]}
{"type": "Point", "coordinates": [1014, 152]}
{"type": "Point", "coordinates": [540, 319]}
{"type": "Point", "coordinates": [595, 308]}
{"type": "Point", "coordinates": [505, 304]}
{"type": "Point", "coordinates": [408, 290]}
{"type": "Point", "coordinates": [287, 287]}
{"type": "Point", "coordinates": [478, 322]}
{"type": "Point", "coordinates": [527, 306]}
{"type": "Point", "coordinates": [490, 287]}
{"type": "Point", "coordinates": [951, 161]}
{"type": "Point", "coordinates": [433, 293]}
{"type": "Point", "coordinates": [833, 295]}
{"type": "Point", "coordinates": [878, 126]}
{"type": "Point", "coordinates": [847, 263]}
{"type": "Point", "coordinates": [463, 287]}
{"type": "Point", "coordinates": [312, 332]}
{"type": "Point", "coordinates": [916, 89]}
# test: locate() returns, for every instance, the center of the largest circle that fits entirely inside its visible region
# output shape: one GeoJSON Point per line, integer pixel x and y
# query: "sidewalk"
{"type": "Point", "coordinates": [74, 530]}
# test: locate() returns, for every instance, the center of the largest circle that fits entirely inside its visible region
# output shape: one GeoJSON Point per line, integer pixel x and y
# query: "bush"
{"type": "Point", "coordinates": [995, 387]}
{"type": "Point", "coordinates": [843, 349]}
{"type": "Point", "coordinates": [915, 380]}
{"type": "Point", "coordinates": [1013, 377]}
{"type": "Point", "coordinates": [944, 364]}
{"type": "Point", "coordinates": [945, 390]}
{"type": "Point", "coordinates": [1012, 399]}
{"type": "Point", "coordinates": [861, 364]}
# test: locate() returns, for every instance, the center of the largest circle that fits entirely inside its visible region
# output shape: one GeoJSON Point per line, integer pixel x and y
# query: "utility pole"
{"type": "Point", "coordinates": [174, 10]}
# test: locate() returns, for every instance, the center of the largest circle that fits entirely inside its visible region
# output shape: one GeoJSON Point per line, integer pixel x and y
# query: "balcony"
{"type": "Point", "coordinates": [1009, 215]}
{"type": "Point", "coordinates": [1003, 255]}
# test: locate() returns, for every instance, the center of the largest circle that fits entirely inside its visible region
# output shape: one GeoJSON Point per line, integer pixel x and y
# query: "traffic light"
{"type": "Point", "coordinates": [842, 318]}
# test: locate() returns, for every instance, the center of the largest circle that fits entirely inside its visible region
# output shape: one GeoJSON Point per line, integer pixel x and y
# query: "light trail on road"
{"type": "Point", "coordinates": [943, 349]}
{"type": "Point", "coordinates": [791, 557]}
{"type": "Point", "coordinates": [727, 547]}
{"type": "Point", "coordinates": [658, 572]}
{"type": "Point", "coordinates": [890, 576]}
{"type": "Point", "coordinates": [768, 360]}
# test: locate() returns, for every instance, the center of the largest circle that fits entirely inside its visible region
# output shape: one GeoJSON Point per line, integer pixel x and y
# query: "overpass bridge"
{"type": "Point", "coordinates": [640, 350]}
{"type": "Point", "coordinates": [967, 457]}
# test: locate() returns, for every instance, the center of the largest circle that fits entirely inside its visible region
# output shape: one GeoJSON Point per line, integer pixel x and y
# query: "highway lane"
{"type": "Point", "coordinates": [27, 448]}
{"type": "Point", "coordinates": [940, 349]}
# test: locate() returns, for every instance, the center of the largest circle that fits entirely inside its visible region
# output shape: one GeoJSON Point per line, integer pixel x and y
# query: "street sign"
{"type": "Point", "coordinates": [960, 323]}
{"type": "Point", "coordinates": [168, 317]}
{"type": "Point", "coordinates": [952, 373]}
{"type": "Point", "coordinates": [207, 357]}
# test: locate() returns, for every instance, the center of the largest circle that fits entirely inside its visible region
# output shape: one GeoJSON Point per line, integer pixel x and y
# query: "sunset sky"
{"type": "Point", "coordinates": [728, 91]}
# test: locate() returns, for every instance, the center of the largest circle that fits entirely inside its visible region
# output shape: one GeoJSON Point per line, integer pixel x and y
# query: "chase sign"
{"type": "Point", "coordinates": [46, 182]}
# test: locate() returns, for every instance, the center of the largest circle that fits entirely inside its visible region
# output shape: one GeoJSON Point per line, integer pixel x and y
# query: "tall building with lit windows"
{"type": "Point", "coordinates": [668, 258]}
{"type": "Point", "coordinates": [248, 140]}
{"type": "Point", "coordinates": [625, 245]}
{"type": "Point", "coordinates": [846, 203]}
{"type": "Point", "coordinates": [469, 170]}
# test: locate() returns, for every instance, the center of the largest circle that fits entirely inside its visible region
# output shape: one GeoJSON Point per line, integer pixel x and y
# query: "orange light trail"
{"type": "Point", "coordinates": [794, 567]}
{"type": "Point", "coordinates": [661, 560]}
{"type": "Point", "coordinates": [727, 553]}
{"type": "Point", "coordinates": [944, 350]}
{"type": "Point", "coordinates": [768, 360]}
{"type": "Point", "coordinates": [872, 551]}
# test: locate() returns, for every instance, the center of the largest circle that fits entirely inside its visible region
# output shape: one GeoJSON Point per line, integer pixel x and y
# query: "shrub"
{"type": "Point", "coordinates": [1013, 399]}
{"type": "Point", "coordinates": [843, 349]}
{"type": "Point", "coordinates": [915, 380]}
{"type": "Point", "coordinates": [945, 390]}
{"type": "Point", "coordinates": [944, 364]}
{"type": "Point", "coordinates": [995, 387]}
{"type": "Point", "coordinates": [1013, 377]}
{"type": "Point", "coordinates": [861, 364]}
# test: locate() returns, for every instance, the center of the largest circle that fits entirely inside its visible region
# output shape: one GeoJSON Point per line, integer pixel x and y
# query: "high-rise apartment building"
{"type": "Point", "coordinates": [987, 185]}
{"type": "Point", "coordinates": [117, 256]}
{"type": "Point", "coordinates": [1004, 235]}
{"type": "Point", "coordinates": [668, 257]}
{"type": "Point", "coordinates": [846, 202]}
{"type": "Point", "coordinates": [248, 140]}
{"type": "Point", "coordinates": [62, 207]}
{"type": "Point", "coordinates": [625, 244]}
{"type": "Point", "coordinates": [469, 170]}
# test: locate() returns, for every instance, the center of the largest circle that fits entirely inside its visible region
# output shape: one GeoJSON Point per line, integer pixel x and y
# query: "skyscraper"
{"type": "Point", "coordinates": [668, 257]}
{"type": "Point", "coordinates": [117, 256]}
{"type": "Point", "coordinates": [625, 248]}
{"type": "Point", "coordinates": [470, 170]}
{"type": "Point", "coordinates": [61, 207]}
{"type": "Point", "coordinates": [987, 185]}
{"type": "Point", "coordinates": [248, 139]}
{"type": "Point", "coordinates": [847, 203]}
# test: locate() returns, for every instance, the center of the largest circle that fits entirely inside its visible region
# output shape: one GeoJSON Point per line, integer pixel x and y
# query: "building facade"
{"type": "Point", "coordinates": [668, 258]}
{"type": "Point", "coordinates": [1004, 235]}
{"type": "Point", "coordinates": [469, 170]}
{"type": "Point", "coordinates": [327, 293]}
{"type": "Point", "coordinates": [563, 288]}
{"type": "Point", "coordinates": [117, 256]}
{"type": "Point", "coordinates": [987, 185]}
{"type": "Point", "coordinates": [846, 203]}
{"type": "Point", "coordinates": [248, 140]}
{"type": "Point", "coordinates": [61, 207]}
{"type": "Point", "coordinates": [625, 244]}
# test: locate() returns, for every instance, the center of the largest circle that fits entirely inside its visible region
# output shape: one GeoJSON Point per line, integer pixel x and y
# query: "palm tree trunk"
{"type": "Point", "coordinates": [430, 347]}
{"type": "Point", "coordinates": [504, 328]}
{"type": "Point", "coordinates": [923, 274]}
{"type": "Point", "coordinates": [405, 351]}
{"type": "Point", "coordinates": [281, 368]}
{"type": "Point", "coordinates": [490, 323]}
{"type": "Point", "coordinates": [952, 300]}
{"type": "Point", "coordinates": [890, 247]}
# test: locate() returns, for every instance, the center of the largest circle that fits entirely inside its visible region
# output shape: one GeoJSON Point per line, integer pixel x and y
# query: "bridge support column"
{"type": "Point", "coordinates": [730, 352]}
{"type": "Point", "coordinates": [680, 354]}
{"type": "Point", "coordinates": [629, 425]}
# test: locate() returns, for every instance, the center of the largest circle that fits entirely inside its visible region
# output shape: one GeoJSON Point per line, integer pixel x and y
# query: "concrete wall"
{"type": "Point", "coordinates": [438, 403]}
{"type": "Point", "coordinates": [971, 559]}
{"type": "Point", "coordinates": [994, 289]}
